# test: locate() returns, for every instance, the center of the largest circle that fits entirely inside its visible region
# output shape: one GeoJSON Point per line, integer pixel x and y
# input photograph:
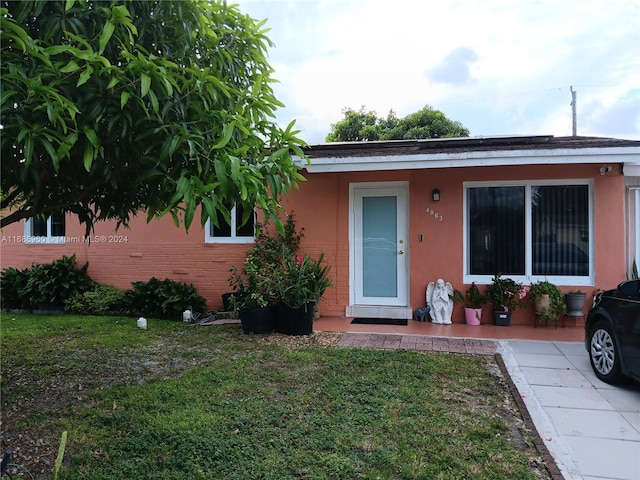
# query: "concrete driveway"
{"type": "Point", "coordinates": [591, 429]}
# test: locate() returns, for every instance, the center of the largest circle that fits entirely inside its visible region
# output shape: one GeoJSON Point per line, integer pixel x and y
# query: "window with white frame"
{"type": "Point", "coordinates": [225, 233]}
{"type": "Point", "coordinates": [45, 230]}
{"type": "Point", "coordinates": [532, 230]}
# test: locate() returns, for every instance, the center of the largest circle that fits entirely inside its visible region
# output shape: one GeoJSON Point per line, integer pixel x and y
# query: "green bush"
{"type": "Point", "coordinates": [101, 300]}
{"type": "Point", "coordinates": [44, 286]}
{"type": "Point", "coordinates": [13, 282]}
{"type": "Point", "coordinates": [162, 298]}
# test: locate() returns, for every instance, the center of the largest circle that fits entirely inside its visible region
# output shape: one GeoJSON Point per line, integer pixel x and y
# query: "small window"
{"type": "Point", "coordinates": [45, 230]}
{"type": "Point", "coordinates": [224, 233]}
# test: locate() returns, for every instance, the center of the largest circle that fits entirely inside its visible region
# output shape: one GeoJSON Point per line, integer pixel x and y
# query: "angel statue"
{"type": "Point", "coordinates": [438, 298]}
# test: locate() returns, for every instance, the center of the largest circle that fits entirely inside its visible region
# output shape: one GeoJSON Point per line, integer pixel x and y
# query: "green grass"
{"type": "Point", "coordinates": [185, 402]}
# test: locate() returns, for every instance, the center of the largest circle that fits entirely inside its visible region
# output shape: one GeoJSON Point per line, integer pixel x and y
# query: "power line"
{"type": "Point", "coordinates": [521, 94]}
{"type": "Point", "coordinates": [505, 96]}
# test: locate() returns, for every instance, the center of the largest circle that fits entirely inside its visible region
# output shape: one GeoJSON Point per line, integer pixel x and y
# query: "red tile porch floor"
{"type": "Point", "coordinates": [456, 337]}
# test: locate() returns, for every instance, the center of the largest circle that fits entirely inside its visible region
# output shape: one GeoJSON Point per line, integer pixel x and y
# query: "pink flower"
{"type": "Point", "coordinates": [300, 260]}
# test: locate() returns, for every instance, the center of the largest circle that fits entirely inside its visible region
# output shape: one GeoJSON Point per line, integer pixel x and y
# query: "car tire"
{"type": "Point", "coordinates": [604, 354]}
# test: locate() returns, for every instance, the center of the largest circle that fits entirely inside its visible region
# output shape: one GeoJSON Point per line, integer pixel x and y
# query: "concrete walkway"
{"type": "Point", "coordinates": [590, 429]}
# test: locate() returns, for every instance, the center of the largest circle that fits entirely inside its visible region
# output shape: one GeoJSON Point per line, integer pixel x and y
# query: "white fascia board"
{"type": "Point", "coordinates": [631, 169]}
{"type": "Point", "coordinates": [472, 159]}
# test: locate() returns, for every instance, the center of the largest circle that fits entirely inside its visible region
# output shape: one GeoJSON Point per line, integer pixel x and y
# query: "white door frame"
{"type": "Point", "coordinates": [398, 307]}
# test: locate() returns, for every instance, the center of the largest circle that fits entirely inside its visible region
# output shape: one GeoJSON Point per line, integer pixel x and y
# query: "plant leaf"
{"type": "Point", "coordinates": [105, 36]}
{"type": "Point", "coordinates": [145, 84]}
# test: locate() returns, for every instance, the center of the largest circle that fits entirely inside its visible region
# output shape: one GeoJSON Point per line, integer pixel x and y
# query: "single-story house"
{"type": "Point", "coordinates": [393, 216]}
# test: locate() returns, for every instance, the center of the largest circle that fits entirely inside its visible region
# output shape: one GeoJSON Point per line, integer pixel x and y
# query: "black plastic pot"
{"type": "Point", "coordinates": [502, 318]}
{"type": "Point", "coordinates": [257, 320]}
{"type": "Point", "coordinates": [295, 320]}
{"type": "Point", "coordinates": [226, 302]}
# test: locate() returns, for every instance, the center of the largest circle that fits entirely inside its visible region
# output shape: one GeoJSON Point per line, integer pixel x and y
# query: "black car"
{"type": "Point", "coordinates": [612, 333]}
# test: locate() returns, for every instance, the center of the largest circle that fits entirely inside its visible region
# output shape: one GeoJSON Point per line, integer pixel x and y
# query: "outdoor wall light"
{"type": "Point", "coordinates": [436, 195]}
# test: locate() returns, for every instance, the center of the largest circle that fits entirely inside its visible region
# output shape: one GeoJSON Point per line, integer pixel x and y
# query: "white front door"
{"type": "Point", "coordinates": [379, 245]}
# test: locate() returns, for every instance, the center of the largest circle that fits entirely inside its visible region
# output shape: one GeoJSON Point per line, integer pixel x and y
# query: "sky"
{"type": "Point", "coordinates": [499, 67]}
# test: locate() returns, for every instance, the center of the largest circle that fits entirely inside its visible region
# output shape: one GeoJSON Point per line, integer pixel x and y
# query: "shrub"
{"type": "Point", "coordinates": [44, 286]}
{"type": "Point", "coordinates": [13, 281]}
{"type": "Point", "coordinates": [101, 300]}
{"type": "Point", "coordinates": [162, 298]}
{"type": "Point", "coordinates": [300, 280]}
{"type": "Point", "coordinates": [271, 249]}
{"type": "Point", "coordinates": [253, 284]}
{"type": "Point", "coordinates": [50, 284]}
{"type": "Point", "coordinates": [274, 271]}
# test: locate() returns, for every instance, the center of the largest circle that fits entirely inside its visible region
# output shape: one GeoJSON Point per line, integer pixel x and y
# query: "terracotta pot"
{"type": "Point", "coordinates": [543, 304]}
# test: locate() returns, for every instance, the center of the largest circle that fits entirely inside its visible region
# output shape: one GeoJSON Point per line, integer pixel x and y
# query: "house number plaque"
{"type": "Point", "coordinates": [434, 214]}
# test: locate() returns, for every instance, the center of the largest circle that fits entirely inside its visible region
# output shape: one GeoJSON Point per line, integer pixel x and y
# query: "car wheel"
{"type": "Point", "coordinates": [604, 354]}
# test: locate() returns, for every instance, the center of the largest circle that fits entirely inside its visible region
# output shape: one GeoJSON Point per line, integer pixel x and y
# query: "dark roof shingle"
{"type": "Point", "coordinates": [465, 144]}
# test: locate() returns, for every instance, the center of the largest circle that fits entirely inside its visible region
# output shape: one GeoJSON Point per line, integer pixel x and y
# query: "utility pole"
{"type": "Point", "coordinates": [573, 110]}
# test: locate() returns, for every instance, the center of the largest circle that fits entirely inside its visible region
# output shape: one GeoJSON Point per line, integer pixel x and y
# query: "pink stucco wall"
{"type": "Point", "coordinates": [322, 208]}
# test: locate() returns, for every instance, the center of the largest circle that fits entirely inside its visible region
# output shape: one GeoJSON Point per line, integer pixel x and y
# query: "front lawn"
{"type": "Point", "coordinates": [181, 402]}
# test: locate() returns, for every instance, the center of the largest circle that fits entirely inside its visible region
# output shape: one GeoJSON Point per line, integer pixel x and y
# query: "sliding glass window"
{"type": "Point", "coordinates": [531, 230]}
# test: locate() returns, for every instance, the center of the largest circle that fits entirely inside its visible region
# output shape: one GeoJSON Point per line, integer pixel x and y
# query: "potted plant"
{"type": "Point", "coordinates": [548, 300]}
{"type": "Point", "coordinates": [506, 295]}
{"type": "Point", "coordinates": [253, 297]}
{"type": "Point", "coordinates": [472, 300]}
{"type": "Point", "coordinates": [300, 283]}
{"type": "Point", "coordinates": [275, 274]}
{"type": "Point", "coordinates": [575, 303]}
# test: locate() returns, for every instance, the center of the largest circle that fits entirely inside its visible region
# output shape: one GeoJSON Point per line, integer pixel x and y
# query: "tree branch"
{"type": "Point", "coordinates": [26, 212]}
{"type": "Point", "coordinates": [14, 217]}
{"type": "Point", "coordinates": [8, 200]}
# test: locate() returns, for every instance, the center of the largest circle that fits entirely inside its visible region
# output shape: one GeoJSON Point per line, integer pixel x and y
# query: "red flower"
{"type": "Point", "coordinates": [300, 260]}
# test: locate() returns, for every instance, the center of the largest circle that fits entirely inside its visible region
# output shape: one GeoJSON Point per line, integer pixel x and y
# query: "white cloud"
{"type": "Point", "coordinates": [455, 67]}
{"type": "Point", "coordinates": [509, 64]}
{"type": "Point", "coordinates": [622, 116]}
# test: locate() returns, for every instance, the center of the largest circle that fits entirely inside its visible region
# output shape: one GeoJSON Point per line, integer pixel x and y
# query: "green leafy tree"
{"type": "Point", "coordinates": [109, 108]}
{"type": "Point", "coordinates": [355, 126]}
{"type": "Point", "coordinates": [365, 125]}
